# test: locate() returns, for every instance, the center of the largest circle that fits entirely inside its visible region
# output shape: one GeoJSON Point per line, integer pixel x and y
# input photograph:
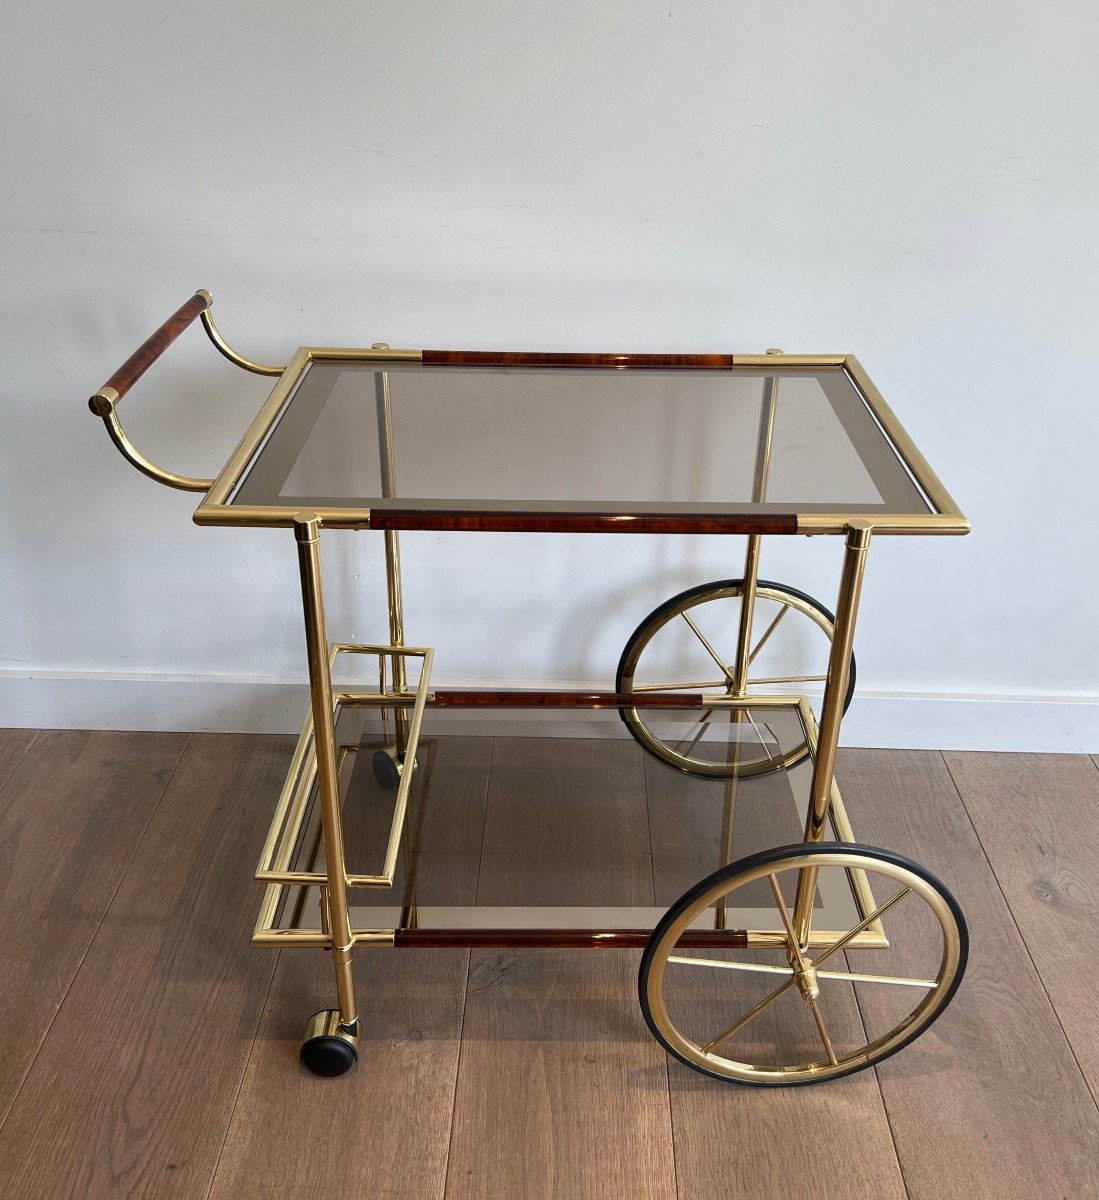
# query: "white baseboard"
{"type": "Point", "coordinates": [257, 704]}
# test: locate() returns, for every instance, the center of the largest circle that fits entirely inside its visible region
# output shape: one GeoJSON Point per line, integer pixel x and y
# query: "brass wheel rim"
{"type": "Point", "coordinates": [711, 1058]}
{"type": "Point", "coordinates": [685, 762]}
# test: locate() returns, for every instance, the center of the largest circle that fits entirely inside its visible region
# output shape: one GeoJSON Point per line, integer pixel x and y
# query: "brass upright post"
{"type": "Point", "coordinates": [392, 547]}
{"type": "Point", "coordinates": [831, 715]}
{"type": "Point", "coordinates": [751, 554]}
{"type": "Point", "coordinates": [307, 532]}
{"type": "Point", "coordinates": [728, 814]}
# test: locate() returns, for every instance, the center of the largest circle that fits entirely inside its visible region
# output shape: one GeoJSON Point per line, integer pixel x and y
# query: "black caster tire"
{"type": "Point", "coordinates": [389, 767]}
{"type": "Point", "coordinates": [329, 1048]}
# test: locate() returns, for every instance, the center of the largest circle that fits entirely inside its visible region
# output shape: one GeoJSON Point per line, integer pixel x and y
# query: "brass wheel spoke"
{"type": "Point", "coordinates": [710, 650]}
{"type": "Point", "coordinates": [879, 911]}
{"type": "Point", "coordinates": [860, 977]}
{"type": "Point", "coordinates": [748, 1016]}
{"type": "Point", "coordinates": [675, 687]}
{"type": "Point", "coordinates": [726, 965]}
{"type": "Point", "coordinates": [759, 735]}
{"type": "Point", "coordinates": [770, 629]}
{"type": "Point", "coordinates": [791, 679]}
{"type": "Point", "coordinates": [780, 900]}
{"type": "Point", "coordinates": [770, 969]}
{"type": "Point", "coordinates": [829, 1048]}
{"type": "Point", "coordinates": [704, 720]}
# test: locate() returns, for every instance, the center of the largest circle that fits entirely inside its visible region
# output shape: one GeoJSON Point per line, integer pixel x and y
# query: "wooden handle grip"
{"type": "Point", "coordinates": [150, 350]}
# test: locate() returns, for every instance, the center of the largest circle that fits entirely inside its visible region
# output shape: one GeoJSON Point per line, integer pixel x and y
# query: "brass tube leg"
{"type": "Point", "coordinates": [831, 716]}
{"type": "Point", "coordinates": [751, 554]}
{"type": "Point", "coordinates": [307, 532]}
{"type": "Point", "coordinates": [747, 612]}
{"type": "Point", "coordinates": [396, 632]}
{"type": "Point", "coordinates": [388, 466]}
{"type": "Point", "coordinates": [728, 815]}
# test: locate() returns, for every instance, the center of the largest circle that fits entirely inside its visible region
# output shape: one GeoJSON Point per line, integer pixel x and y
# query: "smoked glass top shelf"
{"type": "Point", "coordinates": [579, 443]}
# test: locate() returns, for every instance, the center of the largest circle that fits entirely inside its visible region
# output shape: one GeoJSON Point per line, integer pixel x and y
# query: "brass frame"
{"type": "Point", "coordinates": [316, 761]}
{"type": "Point", "coordinates": [215, 509]}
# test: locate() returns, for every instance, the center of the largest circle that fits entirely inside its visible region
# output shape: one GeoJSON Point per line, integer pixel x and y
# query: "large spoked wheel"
{"type": "Point", "coordinates": [803, 1012]}
{"type": "Point", "coordinates": [688, 644]}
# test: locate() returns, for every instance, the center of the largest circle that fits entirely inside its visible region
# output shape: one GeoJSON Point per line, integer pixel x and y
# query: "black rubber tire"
{"type": "Point", "coordinates": [762, 859]}
{"type": "Point", "coordinates": [328, 1056]}
{"type": "Point", "coordinates": [386, 771]}
{"type": "Point", "coordinates": [701, 589]}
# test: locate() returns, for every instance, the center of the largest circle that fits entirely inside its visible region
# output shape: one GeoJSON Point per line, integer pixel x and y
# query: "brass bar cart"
{"type": "Point", "coordinates": [755, 945]}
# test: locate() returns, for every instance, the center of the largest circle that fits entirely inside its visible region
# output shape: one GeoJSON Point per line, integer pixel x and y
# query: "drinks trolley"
{"type": "Point", "coordinates": [765, 961]}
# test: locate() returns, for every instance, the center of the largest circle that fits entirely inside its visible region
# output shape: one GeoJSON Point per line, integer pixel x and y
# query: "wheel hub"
{"type": "Point", "coordinates": [806, 977]}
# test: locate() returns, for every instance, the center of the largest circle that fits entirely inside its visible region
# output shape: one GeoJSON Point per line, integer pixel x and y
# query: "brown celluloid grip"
{"type": "Point", "coordinates": [150, 350]}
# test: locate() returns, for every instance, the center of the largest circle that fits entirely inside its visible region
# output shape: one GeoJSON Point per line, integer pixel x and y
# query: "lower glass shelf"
{"type": "Point", "coordinates": [551, 825]}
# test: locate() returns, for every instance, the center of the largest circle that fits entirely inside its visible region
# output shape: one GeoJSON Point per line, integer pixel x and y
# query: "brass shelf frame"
{"type": "Point", "coordinates": [292, 812]}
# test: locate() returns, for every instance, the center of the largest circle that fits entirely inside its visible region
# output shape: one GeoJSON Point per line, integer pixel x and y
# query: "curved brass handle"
{"type": "Point", "coordinates": [104, 402]}
{"type": "Point", "coordinates": [146, 466]}
{"type": "Point", "coordinates": [214, 335]}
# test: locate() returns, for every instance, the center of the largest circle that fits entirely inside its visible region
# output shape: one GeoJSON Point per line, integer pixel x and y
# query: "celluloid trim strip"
{"type": "Point", "coordinates": [514, 358]}
{"type": "Point", "coordinates": [623, 939]}
{"type": "Point", "coordinates": [534, 522]}
{"type": "Point", "coordinates": [518, 698]}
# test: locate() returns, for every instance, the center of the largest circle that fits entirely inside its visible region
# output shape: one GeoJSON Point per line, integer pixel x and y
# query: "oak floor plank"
{"type": "Point", "coordinates": [132, 1091]}
{"type": "Point", "coordinates": [72, 812]}
{"type": "Point", "coordinates": [561, 1091]}
{"type": "Point", "coordinates": [1037, 816]}
{"type": "Point", "coordinates": [736, 1140]}
{"type": "Point", "coordinates": [14, 743]}
{"type": "Point", "coordinates": [381, 1130]}
{"type": "Point", "coordinates": [989, 1102]}
{"type": "Point", "coordinates": [384, 1129]}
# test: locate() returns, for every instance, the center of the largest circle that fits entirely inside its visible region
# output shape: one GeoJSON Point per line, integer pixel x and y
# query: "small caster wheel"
{"type": "Point", "coordinates": [388, 767]}
{"type": "Point", "coordinates": [329, 1049]}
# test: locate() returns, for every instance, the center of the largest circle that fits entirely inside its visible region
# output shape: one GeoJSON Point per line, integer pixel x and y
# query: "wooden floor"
{"type": "Point", "coordinates": [148, 1051]}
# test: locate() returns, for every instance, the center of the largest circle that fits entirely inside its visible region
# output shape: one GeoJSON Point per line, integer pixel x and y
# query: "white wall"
{"type": "Point", "coordinates": [914, 183]}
